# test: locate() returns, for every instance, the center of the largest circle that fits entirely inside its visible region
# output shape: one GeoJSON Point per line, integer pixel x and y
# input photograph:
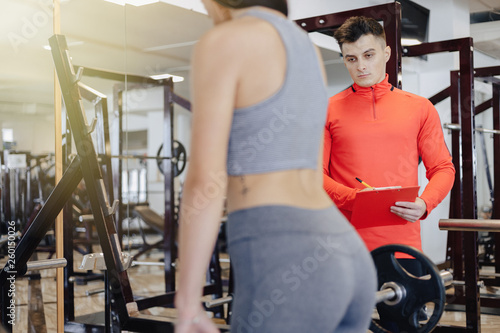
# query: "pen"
{"type": "Point", "coordinates": [362, 182]}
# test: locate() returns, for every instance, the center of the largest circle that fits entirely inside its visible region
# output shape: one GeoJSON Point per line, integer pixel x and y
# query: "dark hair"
{"type": "Point", "coordinates": [357, 26]}
{"type": "Point", "coordinates": [279, 5]}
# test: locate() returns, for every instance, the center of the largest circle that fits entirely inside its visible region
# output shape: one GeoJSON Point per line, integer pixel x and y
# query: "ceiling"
{"type": "Point", "coordinates": [153, 39]}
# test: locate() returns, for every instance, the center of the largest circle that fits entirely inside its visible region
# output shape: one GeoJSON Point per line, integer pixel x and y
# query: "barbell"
{"type": "Point", "coordinates": [401, 295]}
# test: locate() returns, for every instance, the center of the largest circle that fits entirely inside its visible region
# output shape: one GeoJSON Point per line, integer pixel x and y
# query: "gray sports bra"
{"type": "Point", "coordinates": [284, 131]}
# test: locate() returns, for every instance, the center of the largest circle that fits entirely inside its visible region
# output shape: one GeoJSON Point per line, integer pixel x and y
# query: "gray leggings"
{"type": "Point", "coordinates": [299, 270]}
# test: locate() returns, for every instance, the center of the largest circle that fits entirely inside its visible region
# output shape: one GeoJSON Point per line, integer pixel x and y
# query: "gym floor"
{"type": "Point", "coordinates": [30, 297]}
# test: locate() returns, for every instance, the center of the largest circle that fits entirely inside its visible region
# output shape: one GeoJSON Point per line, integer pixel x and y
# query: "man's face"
{"type": "Point", "coordinates": [365, 59]}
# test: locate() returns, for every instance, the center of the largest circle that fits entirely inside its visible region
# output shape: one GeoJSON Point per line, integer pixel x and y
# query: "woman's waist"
{"type": "Point", "coordinates": [300, 188]}
{"type": "Point", "coordinates": [278, 219]}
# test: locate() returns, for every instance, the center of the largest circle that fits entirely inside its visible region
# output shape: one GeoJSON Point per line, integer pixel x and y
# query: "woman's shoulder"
{"type": "Point", "coordinates": [238, 34]}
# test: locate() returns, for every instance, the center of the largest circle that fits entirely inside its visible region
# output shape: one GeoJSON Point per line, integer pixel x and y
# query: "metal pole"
{"type": "Point", "coordinates": [469, 225]}
{"type": "Point", "coordinates": [46, 264]}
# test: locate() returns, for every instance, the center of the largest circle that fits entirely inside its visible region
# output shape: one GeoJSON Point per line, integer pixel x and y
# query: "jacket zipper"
{"type": "Point", "coordinates": [373, 104]}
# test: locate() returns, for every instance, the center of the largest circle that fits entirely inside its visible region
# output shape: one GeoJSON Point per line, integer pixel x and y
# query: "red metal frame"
{"type": "Point", "coordinates": [389, 14]}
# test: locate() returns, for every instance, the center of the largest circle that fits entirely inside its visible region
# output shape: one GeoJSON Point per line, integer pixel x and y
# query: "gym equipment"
{"type": "Point", "coordinates": [463, 247]}
{"type": "Point", "coordinates": [153, 220]}
{"type": "Point", "coordinates": [403, 295]}
{"type": "Point", "coordinates": [45, 264]}
{"type": "Point", "coordinates": [469, 225]}
{"type": "Point", "coordinates": [178, 158]}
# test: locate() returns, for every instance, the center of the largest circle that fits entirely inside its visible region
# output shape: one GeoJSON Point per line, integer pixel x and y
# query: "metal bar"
{"type": "Point", "coordinates": [120, 287]}
{"type": "Point", "coordinates": [218, 302]}
{"type": "Point", "coordinates": [159, 300]}
{"type": "Point", "coordinates": [389, 14]}
{"type": "Point", "coordinates": [452, 126]}
{"type": "Point", "coordinates": [483, 106]}
{"type": "Point", "coordinates": [485, 159]}
{"type": "Point", "coordinates": [487, 71]}
{"type": "Point", "coordinates": [94, 292]}
{"type": "Point", "coordinates": [447, 278]}
{"type": "Point", "coordinates": [117, 76]}
{"type": "Point", "coordinates": [140, 157]}
{"type": "Point", "coordinates": [120, 215]}
{"type": "Point", "coordinates": [384, 295]}
{"type": "Point", "coordinates": [486, 130]}
{"type": "Point", "coordinates": [181, 101]}
{"type": "Point", "coordinates": [462, 283]}
{"type": "Point", "coordinates": [169, 231]}
{"type": "Point", "coordinates": [454, 242]}
{"type": "Point", "coordinates": [440, 96]}
{"type": "Point", "coordinates": [68, 228]}
{"type": "Point", "coordinates": [45, 264]}
{"type": "Point", "coordinates": [469, 164]}
{"type": "Point", "coordinates": [456, 210]}
{"type": "Point", "coordinates": [380, 296]}
{"type": "Point", "coordinates": [496, 171]}
{"type": "Point", "coordinates": [90, 93]}
{"type": "Point", "coordinates": [69, 289]}
{"type": "Point", "coordinates": [451, 45]}
{"type": "Point", "coordinates": [104, 145]}
{"type": "Point", "coordinates": [456, 127]}
{"type": "Point", "coordinates": [469, 225]}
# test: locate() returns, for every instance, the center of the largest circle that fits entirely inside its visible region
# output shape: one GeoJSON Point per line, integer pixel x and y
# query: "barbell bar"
{"type": "Point", "coordinates": [141, 157]}
{"type": "Point", "coordinates": [469, 225]}
{"type": "Point", "coordinates": [46, 264]}
{"type": "Point", "coordinates": [390, 292]}
{"type": "Point", "coordinates": [456, 127]}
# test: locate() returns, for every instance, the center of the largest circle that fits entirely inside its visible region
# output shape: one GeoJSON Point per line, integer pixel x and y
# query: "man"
{"type": "Point", "coordinates": [377, 132]}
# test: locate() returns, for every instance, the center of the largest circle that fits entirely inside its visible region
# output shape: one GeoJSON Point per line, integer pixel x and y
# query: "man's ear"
{"type": "Point", "coordinates": [387, 52]}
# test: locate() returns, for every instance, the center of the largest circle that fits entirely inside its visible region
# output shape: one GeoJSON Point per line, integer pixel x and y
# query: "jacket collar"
{"type": "Point", "coordinates": [379, 89]}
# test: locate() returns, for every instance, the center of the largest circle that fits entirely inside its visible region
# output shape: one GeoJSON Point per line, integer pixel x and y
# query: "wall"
{"type": "Point", "coordinates": [32, 132]}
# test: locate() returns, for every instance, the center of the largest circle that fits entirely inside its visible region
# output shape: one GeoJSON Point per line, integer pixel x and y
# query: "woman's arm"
{"type": "Point", "coordinates": [215, 77]}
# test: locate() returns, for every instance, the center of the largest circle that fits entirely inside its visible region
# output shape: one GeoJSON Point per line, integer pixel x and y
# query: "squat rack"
{"type": "Point", "coordinates": [455, 250]}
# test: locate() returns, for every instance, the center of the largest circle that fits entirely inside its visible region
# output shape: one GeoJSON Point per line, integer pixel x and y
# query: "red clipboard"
{"type": "Point", "coordinates": [373, 208]}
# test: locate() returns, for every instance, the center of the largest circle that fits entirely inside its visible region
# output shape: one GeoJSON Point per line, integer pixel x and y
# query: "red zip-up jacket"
{"type": "Point", "coordinates": [378, 134]}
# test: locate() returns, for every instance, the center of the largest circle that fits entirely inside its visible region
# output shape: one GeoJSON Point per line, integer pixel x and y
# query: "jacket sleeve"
{"type": "Point", "coordinates": [437, 160]}
{"type": "Point", "coordinates": [342, 196]}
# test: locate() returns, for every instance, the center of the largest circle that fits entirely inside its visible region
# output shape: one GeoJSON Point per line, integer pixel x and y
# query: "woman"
{"type": "Point", "coordinates": [259, 107]}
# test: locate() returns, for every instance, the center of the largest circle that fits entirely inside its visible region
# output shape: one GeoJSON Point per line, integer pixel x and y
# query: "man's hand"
{"type": "Point", "coordinates": [410, 211]}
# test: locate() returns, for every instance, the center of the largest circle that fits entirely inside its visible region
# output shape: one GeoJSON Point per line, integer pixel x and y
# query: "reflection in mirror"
{"type": "Point", "coordinates": [26, 86]}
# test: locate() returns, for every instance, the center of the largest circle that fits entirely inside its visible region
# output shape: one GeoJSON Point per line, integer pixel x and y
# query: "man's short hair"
{"type": "Point", "coordinates": [355, 27]}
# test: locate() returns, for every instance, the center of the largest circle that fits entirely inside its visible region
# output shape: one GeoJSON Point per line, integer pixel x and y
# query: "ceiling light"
{"type": "Point", "coordinates": [194, 5]}
{"type": "Point", "coordinates": [175, 78]}
{"type": "Point", "coordinates": [76, 43]}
